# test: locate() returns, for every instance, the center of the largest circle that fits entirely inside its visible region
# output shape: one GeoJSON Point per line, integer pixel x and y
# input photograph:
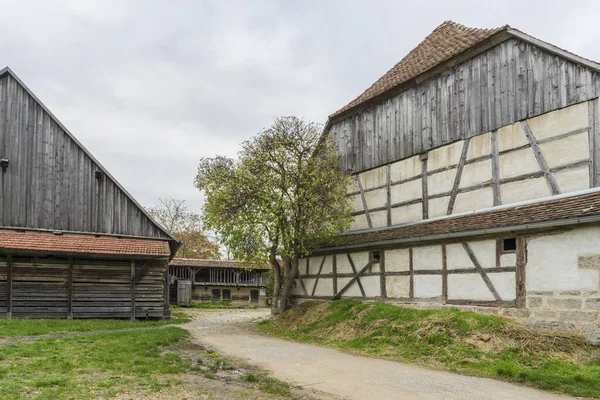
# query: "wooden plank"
{"type": "Point", "coordinates": [70, 291]}
{"type": "Point", "coordinates": [483, 274]}
{"type": "Point", "coordinates": [9, 286]}
{"type": "Point", "coordinates": [496, 168]}
{"type": "Point", "coordinates": [521, 290]}
{"type": "Point", "coordinates": [458, 176]}
{"type": "Point", "coordinates": [132, 307]}
{"type": "Point", "coordinates": [552, 185]}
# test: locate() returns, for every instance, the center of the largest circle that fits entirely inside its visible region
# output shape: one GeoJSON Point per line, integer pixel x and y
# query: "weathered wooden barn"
{"type": "Point", "coordinates": [73, 242]}
{"type": "Point", "coordinates": [477, 166]}
{"type": "Point", "coordinates": [225, 281]}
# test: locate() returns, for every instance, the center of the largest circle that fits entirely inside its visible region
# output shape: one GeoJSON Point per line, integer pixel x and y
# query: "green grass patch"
{"type": "Point", "coordinates": [214, 304]}
{"type": "Point", "coordinates": [268, 385]}
{"type": "Point", "coordinates": [86, 367]}
{"type": "Point", "coordinates": [465, 342]}
{"type": "Point", "coordinates": [34, 327]}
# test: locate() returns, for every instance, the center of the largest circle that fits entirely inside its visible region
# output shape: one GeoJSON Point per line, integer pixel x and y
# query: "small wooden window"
{"type": "Point", "coordinates": [254, 296]}
{"type": "Point", "coordinates": [375, 256]}
{"type": "Point", "coordinates": [509, 244]}
{"type": "Point", "coordinates": [216, 295]}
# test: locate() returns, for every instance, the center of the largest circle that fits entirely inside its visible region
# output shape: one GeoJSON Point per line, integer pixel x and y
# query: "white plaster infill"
{"type": "Point", "coordinates": [511, 228]}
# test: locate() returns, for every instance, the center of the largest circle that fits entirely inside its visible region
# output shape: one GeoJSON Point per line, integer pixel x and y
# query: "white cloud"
{"type": "Point", "coordinates": [152, 86]}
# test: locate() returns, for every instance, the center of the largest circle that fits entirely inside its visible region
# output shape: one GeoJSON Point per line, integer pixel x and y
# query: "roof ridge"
{"type": "Point", "coordinates": [446, 41]}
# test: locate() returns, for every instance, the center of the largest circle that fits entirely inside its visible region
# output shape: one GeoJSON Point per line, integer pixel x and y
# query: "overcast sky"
{"type": "Point", "coordinates": [149, 87]}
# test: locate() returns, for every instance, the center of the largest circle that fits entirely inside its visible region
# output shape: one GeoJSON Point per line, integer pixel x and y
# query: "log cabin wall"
{"type": "Point", "coordinates": [51, 181]}
{"type": "Point", "coordinates": [55, 287]}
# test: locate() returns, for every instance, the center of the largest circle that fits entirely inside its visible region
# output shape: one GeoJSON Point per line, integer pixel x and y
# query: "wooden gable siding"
{"type": "Point", "coordinates": [508, 83]}
{"type": "Point", "coordinates": [50, 182]}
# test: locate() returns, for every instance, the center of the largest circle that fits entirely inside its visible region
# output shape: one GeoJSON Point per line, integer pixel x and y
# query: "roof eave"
{"type": "Point", "coordinates": [469, 53]}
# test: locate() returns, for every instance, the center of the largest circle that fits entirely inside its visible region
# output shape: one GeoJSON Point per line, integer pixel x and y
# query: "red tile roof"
{"type": "Point", "coordinates": [195, 262]}
{"type": "Point", "coordinates": [11, 240]}
{"type": "Point", "coordinates": [446, 41]}
{"type": "Point", "coordinates": [577, 206]}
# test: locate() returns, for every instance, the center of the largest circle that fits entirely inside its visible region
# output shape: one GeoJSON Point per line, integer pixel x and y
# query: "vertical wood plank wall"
{"type": "Point", "coordinates": [50, 182]}
{"type": "Point", "coordinates": [508, 83]}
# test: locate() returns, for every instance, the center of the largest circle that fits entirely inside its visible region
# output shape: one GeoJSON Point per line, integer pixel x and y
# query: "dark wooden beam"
{"type": "Point", "coordinates": [132, 290]}
{"type": "Point", "coordinates": [364, 203]}
{"type": "Point", "coordinates": [318, 275]}
{"type": "Point", "coordinates": [355, 279]}
{"type": "Point", "coordinates": [335, 274]}
{"type": "Point", "coordinates": [459, 170]}
{"type": "Point", "coordinates": [424, 190]}
{"type": "Point", "coordinates": [360, 286]}
{"type": "Point", "coordinates": [382, 286]}
{"type": "Point", "coordinates": [520, 274]}
{"type": "Point", "coordinates": [552, 185]}
{"type": "Point", "coordinates": [412, 273]}
{"type": "Point", "coordinates": [70, 291]}
{"type": "Point", "coordinates": [389, 194]}
{"type": "Point", "coordinates": [496, 168]}
{"type": "Point", "coordinates": [444, 273]}
{"type": "Point", "coordinates": [483, 274]}
{"type": "Point", "coordinates": [9, 285]}
{"type": "Point", "coordinates": [141, 272]}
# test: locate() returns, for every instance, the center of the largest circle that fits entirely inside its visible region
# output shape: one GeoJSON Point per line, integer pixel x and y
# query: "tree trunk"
{"type": "Point", "coordinates": [281, 292]}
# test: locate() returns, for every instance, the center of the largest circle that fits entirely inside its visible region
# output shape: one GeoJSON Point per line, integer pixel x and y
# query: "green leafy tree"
{"type": "Point", "coordinates": [283, 196]}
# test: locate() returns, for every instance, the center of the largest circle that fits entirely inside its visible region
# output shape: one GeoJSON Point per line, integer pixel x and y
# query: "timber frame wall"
{"type": "Point", "coordinates": [510, 82]}
{"type": "Point", "coordinates": [367, 274]}
{"type": "Point", "coordinates": [69, 287]}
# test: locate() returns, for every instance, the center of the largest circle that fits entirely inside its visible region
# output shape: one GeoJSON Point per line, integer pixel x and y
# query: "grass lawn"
{"type": "Point", "coordinates": [460, 341]}
{"type": "Point", "coordinates": [213, 304]}
{"type": "Point", "coordinates": [85, 367]}
{"type": "Point", "coordinates": [34, 327]}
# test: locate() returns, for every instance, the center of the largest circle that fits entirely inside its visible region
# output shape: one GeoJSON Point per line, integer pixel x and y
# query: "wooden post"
{"type": "Point", "coordinates": [412, 274]}
{"type": "Point", "coordinates": [166, 313]}
{"type": "Point", "coordinates": [594, 139]}
{"type": "Point", "coordinates": [334, 269]}
{"type": "Point", "coordinates": [9, 280]}
{"type": "Point", "coordinates": [383, 289]}
{"type": "Point", "coordinates": [389, 194]}
{"type": "Point", "coordinates": [520, 277]}
{"type": "Point", "coordinates": [70, 291]}
{"type": "Point", "coordinates": [496, 168]}
{"type": "Point", "coordinates": [132, 290]}
{"type": "Point", "coordinates": [425, 195]}
{"type": "Point", "coordinates": [444, 274]}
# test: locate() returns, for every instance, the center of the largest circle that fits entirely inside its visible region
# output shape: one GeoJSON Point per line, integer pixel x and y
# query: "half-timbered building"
{"type": "Point", "coordinates": [73, 242]}
{"type": "Point", "coordinates": [476, 161]}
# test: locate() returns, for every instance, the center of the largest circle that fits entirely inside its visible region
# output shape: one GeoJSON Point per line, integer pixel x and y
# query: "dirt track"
{"type": "Point", "coordinates": [342, 375]}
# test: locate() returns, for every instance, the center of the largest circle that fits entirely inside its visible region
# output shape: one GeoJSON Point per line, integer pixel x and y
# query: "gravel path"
{"type": "Point", "coordinates": [342, 375]}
